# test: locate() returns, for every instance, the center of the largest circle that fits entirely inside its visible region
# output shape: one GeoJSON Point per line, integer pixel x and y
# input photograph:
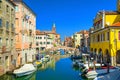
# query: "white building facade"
{"type": "Point", "coordinates": [43, 41]}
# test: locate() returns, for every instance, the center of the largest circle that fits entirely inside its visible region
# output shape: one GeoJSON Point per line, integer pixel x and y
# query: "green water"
{"type": "Point", "coordinates": [57, 69]}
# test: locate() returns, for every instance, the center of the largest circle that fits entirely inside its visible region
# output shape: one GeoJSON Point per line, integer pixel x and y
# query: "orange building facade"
{"type": "Point", "coordinates": [25, 33]}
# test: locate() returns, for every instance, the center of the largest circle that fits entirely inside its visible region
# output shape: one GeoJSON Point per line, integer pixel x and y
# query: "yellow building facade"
{"type": "Point", "coordinates": [105, 36]}
{"type": "Point", "coordinates": [77, 39]}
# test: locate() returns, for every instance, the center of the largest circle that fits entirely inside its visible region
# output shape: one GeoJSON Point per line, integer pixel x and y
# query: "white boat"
{"type": "Point", "coordinates": [45, 58]}
{"type": "Point", "coordinates": [90, 65]}
{"type": "Point", "coordinates": [95, 73]}
{"type": "Point", "coordinates": [26, 69]}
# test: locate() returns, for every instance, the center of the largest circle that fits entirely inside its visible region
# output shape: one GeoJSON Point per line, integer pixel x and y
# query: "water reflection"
{"type": "Point", "coordinates": [62, 71]}
{"type": "Point", "coordinates": [58, 68]}
{"type": "Point", "coordinates": [12, 77]}
{"type": "Point", "coordinates": [50, 64]}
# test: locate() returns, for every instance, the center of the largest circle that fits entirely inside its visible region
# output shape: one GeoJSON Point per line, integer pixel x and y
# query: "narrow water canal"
{"type": "Point", "coordinates": [62, 71]}
{"type": "Point", "coordinates": [57, 69]}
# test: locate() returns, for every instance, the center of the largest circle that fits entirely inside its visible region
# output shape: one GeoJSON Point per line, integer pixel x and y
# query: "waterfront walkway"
{"type": "Point", "coordinates": [111, 76]}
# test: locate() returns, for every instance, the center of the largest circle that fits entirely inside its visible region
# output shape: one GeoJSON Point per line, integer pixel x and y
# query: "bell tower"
{"type": "Point", "coordinates": [118, 6]}
{"type": "Point", "coordinates": [54, 28]}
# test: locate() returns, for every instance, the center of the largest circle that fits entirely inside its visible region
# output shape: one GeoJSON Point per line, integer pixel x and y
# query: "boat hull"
{"type": "Point", "coordinates": [24, 73]}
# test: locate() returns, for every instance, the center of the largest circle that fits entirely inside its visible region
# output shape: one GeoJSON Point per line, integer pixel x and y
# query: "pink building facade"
{"type": "Point", "coordinates": [25, 33]}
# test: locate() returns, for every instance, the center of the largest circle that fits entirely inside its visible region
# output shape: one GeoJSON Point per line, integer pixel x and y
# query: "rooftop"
{"type": "Point", "coordinates": [117, 24]}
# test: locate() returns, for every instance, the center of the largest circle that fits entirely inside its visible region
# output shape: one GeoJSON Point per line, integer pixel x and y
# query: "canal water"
{"type": "Point", "coordinates": [56, 69]}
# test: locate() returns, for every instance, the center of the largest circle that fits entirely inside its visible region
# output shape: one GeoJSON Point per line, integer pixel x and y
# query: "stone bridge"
{"type": "Point", "coordinates": [63, 47]}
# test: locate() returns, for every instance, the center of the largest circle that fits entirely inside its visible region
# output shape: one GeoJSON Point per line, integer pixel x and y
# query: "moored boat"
{"type": "Point", "coordinates": [38, 63]}
{"type": "Point", "coordinates": [26, 69]}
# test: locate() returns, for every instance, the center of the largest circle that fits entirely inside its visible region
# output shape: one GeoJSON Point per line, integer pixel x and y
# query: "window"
{"type": "Point", "coordinates": [27, 24]}
{"type": "Point", "coordinates": [12, 26]}
{"type": "Point", "coordinates": [11, 58]}
{"type": "Point", "coordinates": [93, 39]}
{"type": "Point", "coordinates": [0, 4]}
{"type": "Point", "coordinates": [44, 37]}
{"type": "Point", "coordinates": [1, 60]}
{"type": "Point", "coordinates": [23, 23]}
{"type": "Point", "coordinates": [48, 42]}
{"type": "Point", "coordinates": [12, 12]}
{"type": "Point", "coordinates": [17, 22]}
{"type": "Point", "coordinates": [0, 22]}
{"type": "Point", "coordinates": [11, 42]}
{"type": "Point", "coordinates": [107, 36]}
{"type": "Point", "coordinates": [98, 37]}
{"type": "Point", "coordinates": [37, 43]}
{"type": "Point", "coordinates": [40, 37]}
{"type": "Point", "coordinates": [119, 35]}
{"type": "Point", "coordinates": [0, 41]}
{"type": "Point", "coordinates": [22, 9]}
{"type": "Point", "coordinates": [75, 35]}
{"type": "Point", "coordinates": [7, 24]}
{"type": "Point", "coordinates": [41, 43]}
{"type": "Point", "coordinates": [103, 37]}
{"type": "Point", "coordinates": [81, 35]}
{"type": "Point", "coordinates": [44, 42]}
{"type": "Point", "coordinates": [7, 8]}
{"type": "Point", "coordinates": [23, 38]}
{"type": "Point", "coordinates": [16, 9]}
{"type": "Point", "coordinates": [7, 42]}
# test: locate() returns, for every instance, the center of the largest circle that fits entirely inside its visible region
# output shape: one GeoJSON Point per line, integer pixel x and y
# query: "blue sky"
{"type": "Point", "coordinates": [70, 16]}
